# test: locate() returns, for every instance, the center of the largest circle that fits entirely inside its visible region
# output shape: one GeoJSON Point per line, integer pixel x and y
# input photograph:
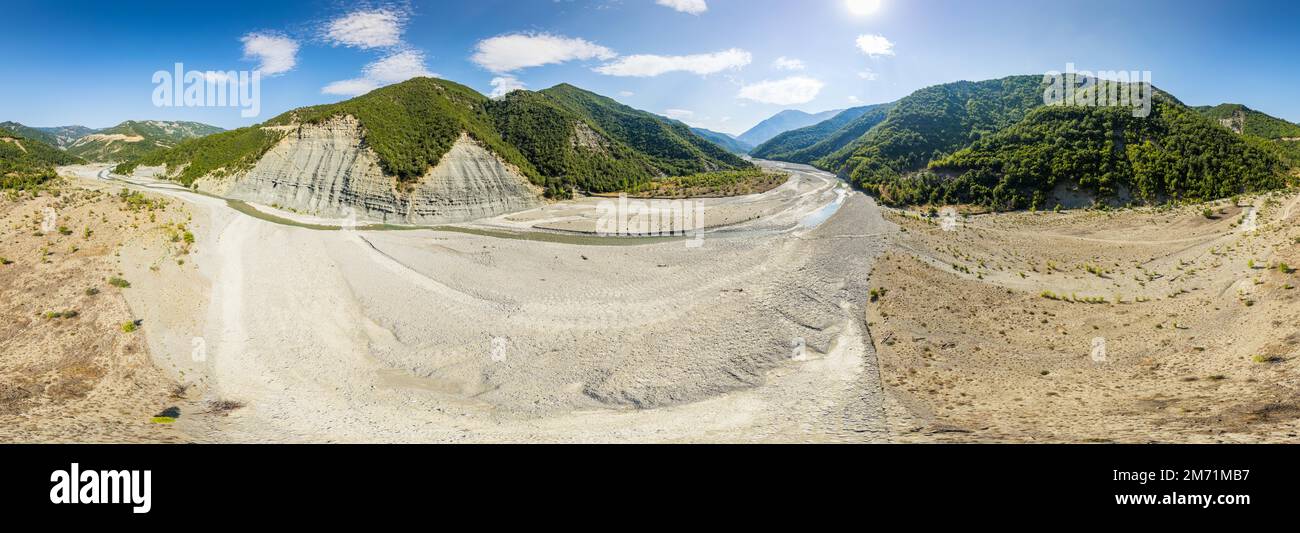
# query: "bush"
{"type": "Point", "coordinates": [129, 327]}
{"type": "Point", "coordinates": [119, 282]}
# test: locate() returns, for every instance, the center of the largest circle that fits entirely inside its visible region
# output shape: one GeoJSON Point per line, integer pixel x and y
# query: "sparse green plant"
{"type": "Point", "coordinates": [129, 327]}
{"type": "Point", "coordinates": [119, 282]}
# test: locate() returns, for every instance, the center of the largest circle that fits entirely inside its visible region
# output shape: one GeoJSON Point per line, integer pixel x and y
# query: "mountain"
{"type": "Point", "coordinates": [1273, 133]}
{"type": "Point", "coordinates": [731, 144]}
{"type": "Point", "coordinates": [782, 122]}
{"type": "Point", "coordinates": [27, 162]}
{"type": "Point", "coordinates": [58, 136]}
{"type": "Point", "coordinates": [429, 150]}
{"type": "Point", "coordinates": [132, 139]}
{"type": "Point", "coordinates": [995, 144]}
{"type": "Point", "coordinates": [806, 145]}
{"type": "Point", "coordinates": [672, 149]}
{"type": "Point", "coordinates": [1244, 120]}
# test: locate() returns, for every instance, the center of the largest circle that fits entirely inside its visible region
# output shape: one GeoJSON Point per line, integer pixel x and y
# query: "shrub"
{"type": "Point", "coordinates": [119, 282]}
{"type": "Point", "coordinates": [129, 327]}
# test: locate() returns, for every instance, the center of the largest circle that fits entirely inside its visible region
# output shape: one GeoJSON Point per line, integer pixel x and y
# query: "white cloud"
{"type": "Point", "coordinates": [275, 54]}
{"type": "Point", "coordinates": [786, 63]}
{"type": "Point", "coordinates": [379, 28]}
{"type": "Point", "coordinates": [626, 94]}
{"type": "Point", "coordinates": [503, 85]}
{"type": "Point", "coordinates": [875, 45]}
{"type": "Point", "coordinates": [789, 91]}
{"type": "Point", "coordinates": [645, 65]}
{"type": "Point", "coordinates": [393, 68]}
{"type": "Point", "coordinates": [512, 52]}
{"type": "Point", "coordinates": [854, 100]}
{"type": "Point", "coordinates": [398, 67]}
{"type": "Point", "coordinates": [679, 114]}
{"type": "Point", "coordinates": [694, 7]}
{"type": "Point", "coordinates": [354, 87]}
{"type": "Point", "coordinates": [868, 74]}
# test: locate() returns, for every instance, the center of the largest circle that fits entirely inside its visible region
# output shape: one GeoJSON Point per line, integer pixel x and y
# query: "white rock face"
{"type": "Point", "coordinates": [326, 169]}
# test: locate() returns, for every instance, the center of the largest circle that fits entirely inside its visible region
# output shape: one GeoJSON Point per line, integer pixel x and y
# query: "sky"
{"type": "Point", "coordinates": [718, 64]}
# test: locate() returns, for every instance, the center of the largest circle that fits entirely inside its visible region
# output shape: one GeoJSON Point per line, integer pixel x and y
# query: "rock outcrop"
{"type": "Point", "coordinates": [327, 170]}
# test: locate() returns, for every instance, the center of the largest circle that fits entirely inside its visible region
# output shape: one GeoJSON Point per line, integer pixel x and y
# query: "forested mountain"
{"type": "Point", "coordinates": [1173, 154]}
{"type": "Point", "coordinates": [1245, 120]}
{"type": "Point", "coordinates": [1272, 133]}
{"type": "Point", "coordinates": [559, 137]}
{"type": "Point", "coordinates": [58, 136]}
{"type": "Point", "coordinates": [132, 139]}
{"type": "Point", "coordinates": [731, 144]}
{"type": "Point", "coordinates": [994, 143]}
{"type": "Point", "coordinates": [26, 162]}
{"type": "Point", "coordinates": [782, 122]}
{"type": "Point", "coordinates": [809, 144]}
{"type": "Point", "coordinates": [673, 148]}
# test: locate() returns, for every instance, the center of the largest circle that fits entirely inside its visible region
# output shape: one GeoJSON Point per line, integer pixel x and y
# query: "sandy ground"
{"type": "Point", "coordinates": [984, 332]}
{"type": "Point", "coordinates": [68, 371]}
{"type": "Point", "coordinates": [804, 314]}
{"type": "Point", "coordinates": [754, 334]}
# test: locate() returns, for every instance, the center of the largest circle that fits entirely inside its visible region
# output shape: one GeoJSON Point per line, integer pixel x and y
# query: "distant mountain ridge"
{"type": "Point", "coordinates": [805, 145]}
{"type": "Point", "coordinates": [782, 122]}
{"type": "Point", "coordinates": [732, 144]}
{"type": "Point", "coordinates": [58, 136]}
{"type": "Point", "coordinates": [124, 141]}
{"type": "Point", "coordinates": [132, 139]}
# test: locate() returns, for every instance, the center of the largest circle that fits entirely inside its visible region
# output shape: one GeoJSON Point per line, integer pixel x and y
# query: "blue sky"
{"type": "Point", "coordinates": [712, 63]}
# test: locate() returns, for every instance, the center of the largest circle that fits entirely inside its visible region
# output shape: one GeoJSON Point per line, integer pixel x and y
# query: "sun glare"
{"type": "Point", "coordinates": [862, 7]}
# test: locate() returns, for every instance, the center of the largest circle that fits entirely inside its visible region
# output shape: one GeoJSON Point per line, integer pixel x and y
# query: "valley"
{"type": "Point", "coordinates": [427, 264]}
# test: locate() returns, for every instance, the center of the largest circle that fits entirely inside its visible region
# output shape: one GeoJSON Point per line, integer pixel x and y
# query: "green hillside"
{"type": "Point", "coordinates": [565, 149]}
{"type": "Point", "coordinates": [809, 144]}
{"type": "Point", "coordinates": [1269, 132]}
{"type": "Point", "coordinates": [1247, 121]}
{"type": "Point", "coordinates": [133, 139]}
{"type": "Point", "coordinates": [26, 163]}
{"type": "Point", "coordinates": [35, 134]}
{"type": "Point", "coordinates": [1173, 154]}
{"type": "Point", "coordinates": [219, 154]}
{"type": "Point", "coordinates": [993, 143]}
{"type": "Point", "coordinates": [559, 138]}
{"type": "Point", "coordinates": [933, 122]}
{"type": "Point", "coordinates": [674, 150]}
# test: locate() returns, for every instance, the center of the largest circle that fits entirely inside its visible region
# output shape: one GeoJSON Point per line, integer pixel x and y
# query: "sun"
{"type": "Point", "coordinates": [862, 8]}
